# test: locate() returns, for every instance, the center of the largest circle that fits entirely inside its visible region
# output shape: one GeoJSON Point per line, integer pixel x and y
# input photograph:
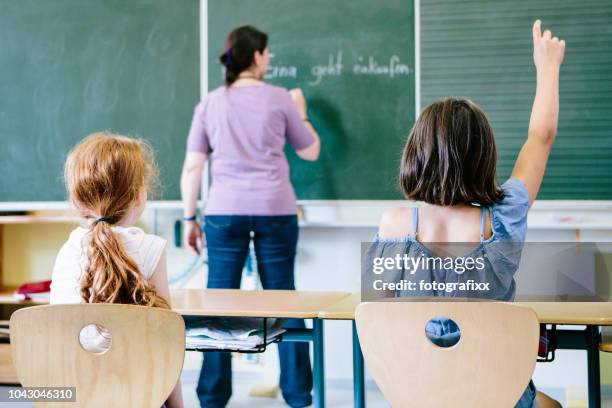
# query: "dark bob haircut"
{"type": "Point", "coordinates": [450, 156]}
{"type": "Point", "coordinates": [240, 47]}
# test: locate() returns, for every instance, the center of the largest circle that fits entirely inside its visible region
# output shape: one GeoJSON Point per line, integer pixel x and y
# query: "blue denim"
{"type": "Point", "coordinates": [527, 400]}
{"type": "Point", "coordinates": [275, 240]}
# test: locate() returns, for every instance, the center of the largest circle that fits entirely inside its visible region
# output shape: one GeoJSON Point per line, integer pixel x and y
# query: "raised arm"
{"type": "Point", "coordinates": [191, 177]}
{"type": "Point", "coordinates": [310, 153]}
{"type": "Point", "coordinates": [548, 52]}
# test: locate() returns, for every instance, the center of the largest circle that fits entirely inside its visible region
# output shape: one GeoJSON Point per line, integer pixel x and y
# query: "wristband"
{"type": "Point", "coordinates": [192, 218]}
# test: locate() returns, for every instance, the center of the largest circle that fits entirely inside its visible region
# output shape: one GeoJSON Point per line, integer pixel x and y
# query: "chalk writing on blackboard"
{"type": "Point", "coordinates": [280, 71]}
{"type": "Point", "coordinates": [372, 67]}
{"type": "Point", "coordinates": [391, 67]}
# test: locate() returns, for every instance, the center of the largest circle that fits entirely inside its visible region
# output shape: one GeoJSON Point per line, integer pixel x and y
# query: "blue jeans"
{"type": "Point", "coordinates": [275, 239]}
{"type": "Point", "coordinates": [527, 400]}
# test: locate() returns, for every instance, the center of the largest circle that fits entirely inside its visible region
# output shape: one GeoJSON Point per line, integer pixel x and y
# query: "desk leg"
{"type": "Point", "coordinates": [592, 338]}
{"type": "Point", "coordinates": [318, 369]}
{"type": "Point", "coordinates": [358, 375]}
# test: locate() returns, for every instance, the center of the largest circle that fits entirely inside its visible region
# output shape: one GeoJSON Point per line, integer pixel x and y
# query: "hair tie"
{"type": "Point", "coordinates": [228, 58]}
{"type": "Point", "coordinates": [102, 219]}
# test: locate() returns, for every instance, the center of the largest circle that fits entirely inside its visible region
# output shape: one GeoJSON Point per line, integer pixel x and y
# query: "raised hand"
{"type": "Point", "coordinates": [548, 51]}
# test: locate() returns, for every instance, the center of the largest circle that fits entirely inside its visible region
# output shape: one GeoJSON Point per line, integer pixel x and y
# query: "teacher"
{"type": "Point", "coordinates": [243, 126]}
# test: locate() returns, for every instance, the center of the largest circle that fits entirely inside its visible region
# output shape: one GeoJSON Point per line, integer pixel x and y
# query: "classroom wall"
{"type": "Point", "coordinates": [328, 259]}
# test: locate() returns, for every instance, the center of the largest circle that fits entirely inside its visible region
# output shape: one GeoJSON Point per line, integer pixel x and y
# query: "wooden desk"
{"type": "Point", "coordinates": [343, 309]}
{"type": "Point", "coordinates": [573, 313]}
{"type": "Point", "coordinates": [248, 303]}
{"type": "Point", "coordinates": [590, 314]}
{"type": "Point", "coordinates": [234, 302]}
{"type": "Point", "coordinates": [569, 313]}
{"type": "Point", "coordinates": [266, 303]}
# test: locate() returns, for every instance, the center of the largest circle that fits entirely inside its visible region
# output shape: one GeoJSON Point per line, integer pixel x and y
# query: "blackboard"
{"type": "Point", "coordinates": [72, 67]}
{"type": "Point", "coordinates": [483, 50]}
{"type": "Point", "coordinates": [363, 110]}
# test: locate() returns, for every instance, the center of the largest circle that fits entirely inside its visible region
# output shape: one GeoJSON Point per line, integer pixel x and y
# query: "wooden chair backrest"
{"type": "Point", "coordinates": [140, 369]}
{"type": "Point", "coordinates": [490, 366]}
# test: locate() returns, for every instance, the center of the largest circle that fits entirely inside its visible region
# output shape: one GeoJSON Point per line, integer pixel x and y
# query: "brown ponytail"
{"type": "Point", "coordinates": [240, 47]}
{"type": "Point", "coordinates": [105, 176]}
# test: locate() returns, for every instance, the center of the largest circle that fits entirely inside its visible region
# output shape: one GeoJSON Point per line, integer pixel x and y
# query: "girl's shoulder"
{"type": "Point", "coordinates": [395, 225]}
{"type": "Point", "coordinates": [145, 249]}
{"type": "Point", "coordinates": [135, 236]}
{"type": "Point", "coordinates": [509, 216]}
{"type": "Point", "coordinates": [73, 247]}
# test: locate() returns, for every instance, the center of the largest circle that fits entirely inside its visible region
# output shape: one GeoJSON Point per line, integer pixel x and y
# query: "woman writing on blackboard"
{"type": "Point", "coordinates": [243, 127]}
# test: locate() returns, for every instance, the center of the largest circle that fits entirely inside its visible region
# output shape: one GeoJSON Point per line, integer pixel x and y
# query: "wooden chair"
{"type": "Point", "coordinates": [140, 369]}
{"type": "Point", "coordinates": [490, 366]}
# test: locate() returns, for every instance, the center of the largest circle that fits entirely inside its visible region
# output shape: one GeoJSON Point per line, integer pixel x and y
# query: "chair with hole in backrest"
{"type": "Point", "coordinates": [140, 369]}
{"type": "Point", "coordinates": [490, 365]}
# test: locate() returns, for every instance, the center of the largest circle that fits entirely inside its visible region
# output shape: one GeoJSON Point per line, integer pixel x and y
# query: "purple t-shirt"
{"type": "Point", "coordinates": [244, 129]}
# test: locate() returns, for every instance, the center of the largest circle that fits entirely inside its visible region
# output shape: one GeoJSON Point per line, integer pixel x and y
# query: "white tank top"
{"type": "Point", "coordinates": [144, 249]}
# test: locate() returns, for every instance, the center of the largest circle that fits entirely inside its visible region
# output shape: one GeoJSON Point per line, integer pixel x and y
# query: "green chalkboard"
{"type": "Point", "coordinates": [363, 110]}
{"type": "Point", "coordinates": [72, 67]}
{"type": "Point", "coordinates": [482, 49]}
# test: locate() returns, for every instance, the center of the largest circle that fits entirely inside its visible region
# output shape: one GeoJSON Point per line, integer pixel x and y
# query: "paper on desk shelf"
{"type": "Point", "coordinates": [254, 341]}
{"type": "Point", "coordinates": [230, 333]}
{"type": "Point", "coordinates": [234, 328]}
